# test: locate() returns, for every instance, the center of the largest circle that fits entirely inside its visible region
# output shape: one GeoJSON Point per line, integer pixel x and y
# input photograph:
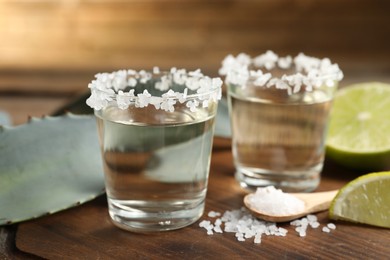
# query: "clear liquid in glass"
{"type": "Point", "coordinates": [156, 166]}
{"type": "Point", "coordinates": [277, 141]}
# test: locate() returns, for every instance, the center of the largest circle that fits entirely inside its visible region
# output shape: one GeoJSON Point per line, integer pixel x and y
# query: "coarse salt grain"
{"type": "Point", "coordinates": [311, 218]}
{"type": "Point", "coordinates": [204, 223]}
{"type": "Point", "coordinates": [213, 214]}
{"type": "Point", "coordinates": [302, 233]}
{"type": "Point", "coordinates": [218, 229]}
{"type": "Point", "coordinates": [325, 229]}
{"type": "Point", "coordinates": [315, 224]}
{"type": "Point", "coordinates": [331, 226]}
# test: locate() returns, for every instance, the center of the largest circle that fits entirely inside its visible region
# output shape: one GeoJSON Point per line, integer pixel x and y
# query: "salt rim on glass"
{"type": "Point", "coordinates": [119, 87]}
{"type": "Point", "coordinates": [310, 72]}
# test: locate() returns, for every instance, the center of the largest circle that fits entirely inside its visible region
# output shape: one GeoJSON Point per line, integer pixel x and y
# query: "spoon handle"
{"type": "Point", "coordinates": [317, 201]}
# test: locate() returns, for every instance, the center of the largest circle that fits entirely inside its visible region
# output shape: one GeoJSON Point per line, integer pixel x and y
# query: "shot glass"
{"type": "Point", "coordinates": [156, 133]}
{"type": "Point", "coordinates": [279, 108]}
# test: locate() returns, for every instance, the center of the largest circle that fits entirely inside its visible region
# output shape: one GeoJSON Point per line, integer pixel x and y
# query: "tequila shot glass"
{"type": "Point", "coordinates": [156, 132]}
{"type": "Point", "coordinates": [279, 108]}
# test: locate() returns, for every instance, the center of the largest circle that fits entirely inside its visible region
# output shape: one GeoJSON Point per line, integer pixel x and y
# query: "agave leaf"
{"type": "Point", "coordinates": [222, 124]}
{"type": "Point", "coordinates": [4, 118]}
{"type": "Point", "coordinates": [48, 165]}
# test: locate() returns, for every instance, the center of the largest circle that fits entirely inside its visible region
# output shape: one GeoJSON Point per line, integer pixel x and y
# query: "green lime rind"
{"type": "Point", "coordinates": [364, 200]}
{"type": "Point", "coordinates": [359, 132]}
{"type": "Point", "coordinates": [374, 161]}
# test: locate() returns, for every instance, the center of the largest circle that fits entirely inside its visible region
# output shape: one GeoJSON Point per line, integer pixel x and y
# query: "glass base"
{"type": "Point", "coordinates": [145, 216]}
{"type": "Point", "coordinates": [292, 181]}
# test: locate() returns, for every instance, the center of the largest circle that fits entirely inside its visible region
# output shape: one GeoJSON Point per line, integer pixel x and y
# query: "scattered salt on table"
{"type": "Point", "coordinates": [244, 225]}
{"type": "Point", "coordinates": [325, 229]}
{"type": "Point", "coordinates": [213, 214]}
{"type": "Point", "coordinates": [268, 200]}
{"type": "Point", "coordinates": [331, 226]}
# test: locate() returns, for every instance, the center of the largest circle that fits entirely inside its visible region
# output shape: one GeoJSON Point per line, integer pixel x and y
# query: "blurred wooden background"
{"type": "Point", "coordinates": [54, 47]}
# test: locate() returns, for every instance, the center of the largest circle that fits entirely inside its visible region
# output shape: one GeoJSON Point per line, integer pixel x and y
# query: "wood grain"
{"type": "Point", "coordinates": [105, 35]}
{"type": "Point", "coordinates": [86, 231]}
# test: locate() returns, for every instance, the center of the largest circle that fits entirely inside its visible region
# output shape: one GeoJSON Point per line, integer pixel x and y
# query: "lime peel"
{"type": "Point", "coordinates": [364, 200]}
{"type": "Point", "coordinates": [359, 132]}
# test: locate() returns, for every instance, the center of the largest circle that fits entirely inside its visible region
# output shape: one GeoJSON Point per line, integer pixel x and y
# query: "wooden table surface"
{"type": "Point", "coordinates": [86, 231]}
{"type": "Point", "coordinates": [50, 50]}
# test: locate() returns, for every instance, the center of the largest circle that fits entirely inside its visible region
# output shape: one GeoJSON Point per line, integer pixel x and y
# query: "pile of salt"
{"type": "Point", "coordinates": [275, 202]}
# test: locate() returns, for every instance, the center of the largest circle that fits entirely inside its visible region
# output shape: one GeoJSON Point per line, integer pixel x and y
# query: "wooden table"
{"type": "Point", "coordinates": [86, 231]}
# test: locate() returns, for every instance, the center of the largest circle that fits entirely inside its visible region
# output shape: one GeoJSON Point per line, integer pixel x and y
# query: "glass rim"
{"type": "Point", "coordinates": [309, 72]}
{"type": "Point", "coordinates": [119, 87]}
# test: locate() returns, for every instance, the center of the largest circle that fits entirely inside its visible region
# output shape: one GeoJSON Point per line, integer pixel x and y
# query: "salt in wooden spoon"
{"type": "Point", "coordinates": [314, 202]}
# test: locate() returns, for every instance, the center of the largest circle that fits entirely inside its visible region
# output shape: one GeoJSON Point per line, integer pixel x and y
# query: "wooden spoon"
{"type": "Point", "coordinates": [314, 202]}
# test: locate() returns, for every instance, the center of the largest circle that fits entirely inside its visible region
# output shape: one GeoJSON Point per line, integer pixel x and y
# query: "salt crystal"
{"type": "Point", "coordinates": [204, 223]}
{"type": "Point", "coordinates": [239, 236]}
{"type": "Point", "coordinates": [218, 229]}
{"type": "Point", "coordinates": [311, 218]}
{"type": "Point", "coordinates": [298, 229]}
{"type": "Point", "coordinates": [209, 229]}
{"type": "Point", "coordinates": [315, 224]}
{"type": "Point", "coordinates": [249, 234]}
{"type": "Point", "coordinates": [285, 62]}
{"type": "Point", "coordinates": [296, 222]}
{"type": "Point", "coordinates": [230, 228]}
{"type": "Point", "coordinates": [257, 239]}
{"type": "Point", "coordinates": [213, 214]}
{"type": "Point", "coordinates": [331, 226]}
{"type": "Point", "coordinates": [302, 233]}
{"type": "Point", "coordinates": [304, 221]}
{"type": "Point", "coordinates": [144, 98]}
{"type": "Point", "coordinates": [325, 229]}
{"type": "Point", "coordinates": [282, 232]}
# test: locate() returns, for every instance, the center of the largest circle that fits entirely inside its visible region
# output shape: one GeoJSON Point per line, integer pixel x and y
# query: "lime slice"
{"type": "Point", "coordinates": [364, 200]}
{"type": "Point", "coordinates": [359, 127]}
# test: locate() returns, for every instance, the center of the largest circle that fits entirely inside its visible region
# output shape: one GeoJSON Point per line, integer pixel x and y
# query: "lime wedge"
{"type": "Point", "coordinates": [359, 127]}
{"type": "Point", "coordinates": [364, 200]}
